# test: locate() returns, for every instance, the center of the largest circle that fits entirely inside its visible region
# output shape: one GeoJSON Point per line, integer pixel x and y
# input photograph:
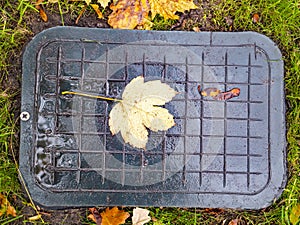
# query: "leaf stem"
{"type": "Point", "coordinates": [91, 96]}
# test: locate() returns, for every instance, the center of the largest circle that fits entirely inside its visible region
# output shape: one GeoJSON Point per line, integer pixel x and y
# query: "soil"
{"type": "Point", "coordinates": [188, 21]}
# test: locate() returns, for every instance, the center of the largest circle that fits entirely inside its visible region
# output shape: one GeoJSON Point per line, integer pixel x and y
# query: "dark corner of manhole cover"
{"type": "Point", "coordinates": [226, 149]}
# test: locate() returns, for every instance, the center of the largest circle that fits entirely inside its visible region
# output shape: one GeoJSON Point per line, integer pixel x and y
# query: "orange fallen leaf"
{"type": "Point", "coordinates": [234, 222]}
{"type": "Point", "coordinates": [5, 207]}
{"type": "Point", "coordinates": [114, 216]}
{"type": "Point", "coordinates": [216, 94]}
{"type": "Point", "coordinates": [127, 14]}
{"type": "Point", "coordinates": [255, 18]}
{"type": "Point", "coordinates": [95, 216]}
{"type": "Point", "coordinates": [42, 12]}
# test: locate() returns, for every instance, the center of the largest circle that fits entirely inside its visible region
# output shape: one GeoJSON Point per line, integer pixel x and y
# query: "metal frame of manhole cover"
{"type": "Point", "coordinates": [219, 154]}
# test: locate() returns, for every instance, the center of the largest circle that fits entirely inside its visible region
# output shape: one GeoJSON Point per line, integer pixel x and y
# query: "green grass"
{"type": "Point", "coordinates": [279, 20]}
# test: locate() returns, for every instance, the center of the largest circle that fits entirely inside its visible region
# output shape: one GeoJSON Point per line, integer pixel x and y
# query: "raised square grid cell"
{"type": "Point", "coordinates": [176, 108]}
{"type": "Point", "coordinates": [92, 142]}
{"type": "Point", "coordinates": [193, 145]}
{"type": "Point", "coordinates": [259, 128]}
{"type": "Point", "coordinates": [66, 160]}
{"type": "Point", "coordinates": [236, 163]}
{"type": "Point", "coordinates": [236, 145]}
{"type": "Point", "coordinates": [213, 127]}
{"type": "Point", "coordinates": [236, 182]}
{"type": "Point", "coordinates": [179, 128]}
{"type": "Point", "coordinates": [175, 73]}
{"type": "Point", "coordinates": [237, 110]}
{"type": "Point", "coordinates": [212, 163]}
{"type": "Point", "coordinates": [174, 145]}
{"type": "Point", "coordinates": [70, 69]}
{"type": "Point", "coordinates": [194, 73]}
{"type": "Point", "coordinates": [238, 74]}
{"type": "Point", "coordinates": [213, 74]}
{"type": "Point", "coordinates": [94, 86]}
{"type": "Point", "coordinates": [71, 51]}
{"type": "Point", "coordinates": [154, 71]}
{"type": "Point", "coordinates": [193, 126]}
{"type": "Point", "coordinates": [194, 108]}
{"type": "Point", "coordinates": [95, 70]}
{"type": "Point", "coordinates": [229, 154]}
{"type": "Point", "coordinates": [237, 128]}
{"type": "Point", "coordinates": [94, 51]}
{"type": "Point", "coordinates": [213, 109]}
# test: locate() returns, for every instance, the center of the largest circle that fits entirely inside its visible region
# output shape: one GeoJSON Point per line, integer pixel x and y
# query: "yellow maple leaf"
{"type": "Point", "coordinates": [139, 109]}
{"type": "Point", "coordinates": [114, 216]}
{"type": "Point", "coordinates": [103, 3]}
{"type": "Point", "coordinates": [97, 10]}
{"type": "Point", "coordinates": [127, 14]}
{"type": "Point", "coordinates": [168, 8]}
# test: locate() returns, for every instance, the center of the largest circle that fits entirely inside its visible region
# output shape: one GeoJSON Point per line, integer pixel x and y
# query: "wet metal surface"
{"type": "Point", "coordinates": [219, 154]}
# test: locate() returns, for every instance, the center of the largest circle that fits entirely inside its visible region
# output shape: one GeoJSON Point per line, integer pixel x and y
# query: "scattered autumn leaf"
{"type": "Point", "coordinates": [35, 218]}
{"type": "Point", "coordinates": [196, 29]}
{"type": "Point", "coordinates": [97, 10]}
{"type": "Point", "coordinates": [140, 216]}
{"type": "Point", "coordinates": [139, 110]}
{"type": "Point", "coordinates": [255, 18]}
{"type": "Point", "coordinates": [103, 3]}
{"type": "Point", "coordinates": [42, 12]}
{"type": "Point", "coordinates": [88, 1]}
{"type": "Point", "coordinates": [5, 207]}
{"type": "Point", "coordinates": [168, 8]}
{"type": "Point", "coordinates": [114, 216]}
{"type": "Point", "coordinates": [127, 14]}
{"type": "Point", "coordinates": [95, 216]}
{"type": "Point", "coordinates": [216, 94]}
{"type": "Point", "coordinates": [234, 222]}
{"type": "Point", "coordinates": [295, 214]}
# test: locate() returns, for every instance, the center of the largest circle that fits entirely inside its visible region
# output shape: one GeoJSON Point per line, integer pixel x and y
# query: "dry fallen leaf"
{"type": "Point", "coordinates": [42, 12]}
{"type": "Point", "coordinates": [95, 216]}
{"type": "Point", "coordinates": [97, 10]}
{"type": "Point", "coordinates": [5, 207]}
{"type": "Point", "coordinates": [140, 216]}
{"type": "Point", "coordinates": [35, 218]}
{"type": "Point", "coordinates": [114, 216]}
{"type": "Point", "coordinates": [103, 3]}
{"type": "Point", "coordinates": [295, 214]}
{"type": "Point", "coordinates": [139, 110]}
{"type": "Point", "coordinates": [216, 94]}
{"type": "Point", "coordinates": [127, 14]}
{"type": "Point", "coordinates": [168, 8]}
{"type": "Point", "coordinates": [234, 222]}
{"type": "Point", "coordinates": [255, 18]}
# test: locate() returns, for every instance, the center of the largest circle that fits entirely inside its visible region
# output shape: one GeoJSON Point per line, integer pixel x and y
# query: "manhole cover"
{"type": "Point", "coordinates": [219, 154]}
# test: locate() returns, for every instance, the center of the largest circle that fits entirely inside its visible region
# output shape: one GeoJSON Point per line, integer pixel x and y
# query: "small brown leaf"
{"type": "Point", "coordinates": [255, 18]}
{"type": "Point", "coordinates": [234, 222]}
{"type": "Point", "coordinates": [41, 10]}
{"type": "Point", "coordinates": [114, 216]}
{"type": "Point", "coordinates": [212, 92]}
{"type": "Point", "coordinates": [235, 92]}
{"type": "Point", "coordinates": [95, 216]}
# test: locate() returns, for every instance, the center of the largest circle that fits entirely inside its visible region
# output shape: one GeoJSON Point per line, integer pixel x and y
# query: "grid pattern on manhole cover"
{"type": "Point", "coordinates": [216, 147]}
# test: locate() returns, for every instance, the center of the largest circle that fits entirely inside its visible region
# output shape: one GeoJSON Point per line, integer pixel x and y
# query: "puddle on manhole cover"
{"type": "Point", "coordinates": [221, 153]}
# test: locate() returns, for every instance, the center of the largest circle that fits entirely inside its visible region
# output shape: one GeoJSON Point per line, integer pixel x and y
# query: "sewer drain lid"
{"type": "Point", "coordinates": [219, 154]}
